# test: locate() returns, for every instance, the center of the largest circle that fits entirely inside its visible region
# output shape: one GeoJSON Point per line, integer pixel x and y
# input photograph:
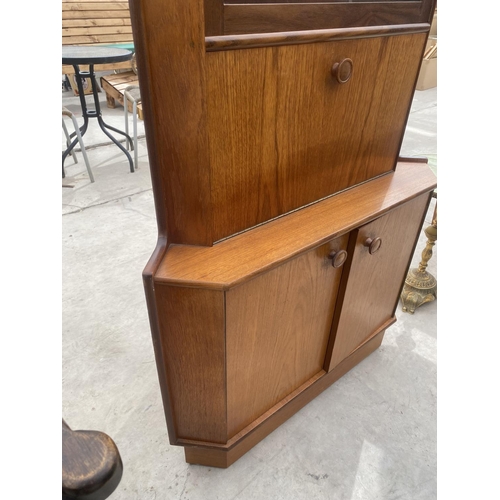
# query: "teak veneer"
{"type": "Point", "coordinates": [286, 221]}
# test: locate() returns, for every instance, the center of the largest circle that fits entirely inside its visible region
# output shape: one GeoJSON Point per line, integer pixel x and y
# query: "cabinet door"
{"type": "Point", "coordinates": [277, 330]}
{"type": "Point", "coordinates": [373, 284]}
{"type": "Point", "coordinates": [285, 133]}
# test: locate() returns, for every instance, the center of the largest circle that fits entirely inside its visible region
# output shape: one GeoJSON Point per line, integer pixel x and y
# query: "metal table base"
{"type": "Point", "coordinates": [94, 113]}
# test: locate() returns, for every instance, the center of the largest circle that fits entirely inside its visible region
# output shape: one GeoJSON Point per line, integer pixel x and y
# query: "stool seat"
{"type": "Point", "coordinates": [91, 464]}
{"type": "Point", "coordinates": [133, 93]}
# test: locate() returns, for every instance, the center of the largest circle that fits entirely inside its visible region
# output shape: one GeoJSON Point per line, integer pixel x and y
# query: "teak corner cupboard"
{"type": "Point", "coordinates": [286, 219]}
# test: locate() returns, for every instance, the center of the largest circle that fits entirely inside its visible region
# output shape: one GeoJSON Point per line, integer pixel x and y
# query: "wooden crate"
{"type": "Point", "coordinates": [114, 85]}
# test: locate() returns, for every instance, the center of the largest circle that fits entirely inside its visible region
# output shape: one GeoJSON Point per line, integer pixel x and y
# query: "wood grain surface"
{"type": "Point", "coordinates": [277, 331]}
{"type": "Point", "coordinates": [240, 258]}
{"type": "Point", "coordinates": [374, 281]}
{"type": "Point", "coordinates": [170, 44]}
{"type": "Point", "coordinates": [191, 323]}
{"type": "Point", "coordinates": [225, 455]}
{"type": "Point", "coordinates": [285, 133]}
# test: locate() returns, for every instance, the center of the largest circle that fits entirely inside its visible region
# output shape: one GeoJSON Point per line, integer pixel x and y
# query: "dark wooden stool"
{"type": "Point", "coordinates": [91, 464]}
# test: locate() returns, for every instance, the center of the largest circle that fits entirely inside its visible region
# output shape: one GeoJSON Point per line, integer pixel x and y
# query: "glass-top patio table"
{"type": "Point", "coordinates": [91, 55]}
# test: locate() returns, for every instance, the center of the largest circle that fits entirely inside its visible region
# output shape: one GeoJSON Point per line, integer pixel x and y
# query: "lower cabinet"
{"type": "Point", "coordinates": [238, 358]}
{"type": "Point", "coordinates": [287, 325]}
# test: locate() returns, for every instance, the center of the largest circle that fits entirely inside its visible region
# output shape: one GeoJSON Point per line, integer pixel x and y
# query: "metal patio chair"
{"type": "Point", "coordinates": [67, 112]}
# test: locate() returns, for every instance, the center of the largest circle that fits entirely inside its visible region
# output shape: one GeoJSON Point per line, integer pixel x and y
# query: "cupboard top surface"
{"type": "Point", "coordinates": [244, 256]}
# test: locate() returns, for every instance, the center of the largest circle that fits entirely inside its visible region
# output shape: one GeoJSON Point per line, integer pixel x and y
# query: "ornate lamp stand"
{"type": "Point", "coordinates": [420, 286]}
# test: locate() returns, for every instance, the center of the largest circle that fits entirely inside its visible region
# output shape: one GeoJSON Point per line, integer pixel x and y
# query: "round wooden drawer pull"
{"type": "Point", "coordinates": [342, 70]}
{"type": "Point", "coordinates": [373, 244]}
{"type": "Point", "coordinates": [338, 258]}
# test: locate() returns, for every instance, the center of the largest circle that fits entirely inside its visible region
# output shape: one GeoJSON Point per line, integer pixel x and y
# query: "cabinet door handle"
{"type": "Point", "coordinates": [338, 258]}
{"type": "Point", "coordinates": [342, 70]}
{"type": "Point", "coordinates": [373, 244]}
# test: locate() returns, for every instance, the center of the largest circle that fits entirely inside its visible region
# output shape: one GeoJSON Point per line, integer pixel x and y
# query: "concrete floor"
{"type": "Point", "coordinates": [372, 435]}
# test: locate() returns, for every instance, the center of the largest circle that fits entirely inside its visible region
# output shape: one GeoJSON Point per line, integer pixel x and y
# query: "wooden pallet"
{"type": "Point", "coordinates": [114, 85]}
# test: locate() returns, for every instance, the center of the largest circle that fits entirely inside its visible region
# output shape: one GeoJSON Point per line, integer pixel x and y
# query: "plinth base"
{"type": "Point", "coordinates": [223, 456]}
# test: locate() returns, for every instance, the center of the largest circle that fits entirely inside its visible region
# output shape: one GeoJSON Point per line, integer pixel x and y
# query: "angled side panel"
{"type": "Point", "coordinates": [192, 337]}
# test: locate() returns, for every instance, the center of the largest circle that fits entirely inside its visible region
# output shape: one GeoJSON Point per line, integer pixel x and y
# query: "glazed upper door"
{"type": "Point", "coordinates": [381, 251]}
{"type": "Point", "coordinates": [290, 125]}
{"type": "Point", "coordinates": [267, 16]}
{"type": "Point", "coordinates": [277, 330]}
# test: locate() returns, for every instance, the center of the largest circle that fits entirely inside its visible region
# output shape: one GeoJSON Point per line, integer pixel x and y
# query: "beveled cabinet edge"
{"type": "Point", "coordinates": [240, 258]}
{"type": "Point", "coordinates": [253, 40]}
{"type": "Point", "coordinates": [148, 283]}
